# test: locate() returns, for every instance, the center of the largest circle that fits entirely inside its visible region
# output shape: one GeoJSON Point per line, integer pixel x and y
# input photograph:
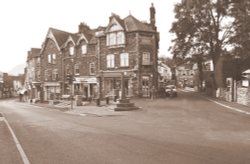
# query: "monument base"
{"type": "Point", "coordinates": [125, 105]}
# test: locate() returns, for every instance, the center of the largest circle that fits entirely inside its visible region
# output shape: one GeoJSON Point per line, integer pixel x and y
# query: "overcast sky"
{"type": "Point", "coordinates": [25, 23]}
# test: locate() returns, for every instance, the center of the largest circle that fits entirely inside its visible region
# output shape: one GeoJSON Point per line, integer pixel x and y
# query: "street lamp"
{"type": "Point", "coordinates": [70, 78]}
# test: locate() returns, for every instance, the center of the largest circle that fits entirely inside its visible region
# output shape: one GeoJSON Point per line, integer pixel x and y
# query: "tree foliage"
{"type": "Point", "coordinates": [204, 29]}
{"type": "Point", "coordinates": [241, 36]}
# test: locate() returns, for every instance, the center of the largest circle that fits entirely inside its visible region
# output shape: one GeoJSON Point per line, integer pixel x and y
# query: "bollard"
{"type": "Point", "coordinates": [107, 100]}
{"type": "Point", "coordinates": [97, 102]}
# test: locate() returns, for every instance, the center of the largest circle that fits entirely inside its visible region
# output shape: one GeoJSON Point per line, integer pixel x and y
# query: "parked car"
{"type": "Point", "coordinates": [171, 91]}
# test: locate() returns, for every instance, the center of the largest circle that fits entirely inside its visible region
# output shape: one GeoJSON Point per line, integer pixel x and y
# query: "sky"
{"type": "Point", "coordinates": [25, 23]}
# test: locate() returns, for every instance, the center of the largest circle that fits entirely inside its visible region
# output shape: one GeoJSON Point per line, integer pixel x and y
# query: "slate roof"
{"type": "Point", "coordinates": [87, 32]}
{"type": "Point", "coordinates": [133, 24]}
{"type": "Point", "coordinates": [60, 36]}
{"type": "Point", "coordinates": [34, 52]}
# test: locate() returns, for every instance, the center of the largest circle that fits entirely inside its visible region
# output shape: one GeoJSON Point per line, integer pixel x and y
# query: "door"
{"type": "Point", "coordinates": [145, 86]}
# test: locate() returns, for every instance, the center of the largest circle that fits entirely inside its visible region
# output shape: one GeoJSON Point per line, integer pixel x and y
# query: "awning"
{"type": "Point", "coordinates": [88, 80]}
{"type": "Point", "coordinates": [246, 71]}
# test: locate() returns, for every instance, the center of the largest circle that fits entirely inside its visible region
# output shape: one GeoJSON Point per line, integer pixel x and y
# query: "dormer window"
{"type": "Point", "coordinates": [71, 50]}
{"type": "Point", "coordinates": [115, 36]}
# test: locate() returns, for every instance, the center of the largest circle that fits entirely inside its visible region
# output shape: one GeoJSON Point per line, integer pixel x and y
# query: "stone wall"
{"type": "Point", "coordinates": [243, 96]}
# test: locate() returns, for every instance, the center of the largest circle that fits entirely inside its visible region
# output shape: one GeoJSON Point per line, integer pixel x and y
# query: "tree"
{"type": "Point", "coordinates": [203, 29]}
{"type": "Point", "coordinates": [241, 36]}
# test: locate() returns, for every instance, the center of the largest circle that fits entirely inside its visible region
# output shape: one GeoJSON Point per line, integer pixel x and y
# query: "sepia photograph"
{"type": "Point", "coordinates": [125, 82]}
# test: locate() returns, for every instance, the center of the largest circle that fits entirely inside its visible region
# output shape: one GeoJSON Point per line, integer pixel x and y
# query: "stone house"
{"type": "Point", "coordinates": [185, 75]}
{"type": "Point", "coordinates": [71, 63]}
{"type": "Point", "coordinates": [52, 64]}
{"type": "Point", "coordinates": [79, 62]}
{"type": "Point", "coordinates": [165, 72]}
{"type": "Point", "coordinates": [32, 74]}
{"type": "Point", "coordinates": [233, 77]}
{"type": "Point", "coordinates": [10, 85]}
{"type": "Point", "coordinates": [128, 47]}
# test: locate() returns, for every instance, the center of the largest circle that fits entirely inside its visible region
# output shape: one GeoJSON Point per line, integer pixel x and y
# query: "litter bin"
{"type": "Point", "coordinates": [78, 100]}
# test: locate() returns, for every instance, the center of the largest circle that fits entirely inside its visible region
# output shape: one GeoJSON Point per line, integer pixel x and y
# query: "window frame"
{"type": "Point", "coordinates": [110, 58]}
{"type": "Point", "coordinates": [83, 50]}
{"type": "Point", "coordinates": [49, 59]}
{"type": "Point", "coordinates": [77, 69]}
{"type": "Point", "coordinates": [71, 50]}
{"type": "Point", "coordinates": [124, 60]}
{"type": "Point", "coordinates": [92, 68]}
{"type": "Point", "coordinates": [146, 56]}
{"type": "Point", "coordinates": [55, 75]}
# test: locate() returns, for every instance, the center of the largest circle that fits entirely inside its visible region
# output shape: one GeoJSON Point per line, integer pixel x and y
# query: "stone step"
{"type": "Point", "coordinates": [123, 100]}
{"type": "Point", "coordinates": [125, 104]}
{"type": "Point", "coordinates": [126, 108]}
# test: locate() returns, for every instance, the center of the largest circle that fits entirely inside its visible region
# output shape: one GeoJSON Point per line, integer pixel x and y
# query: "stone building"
{"type": "Point", "coordinates": [52, 64]}
{"type": "Point", "coordinates": [128, 47]}
{"type": "Point", "coordinates": [71, 63]}
{"type": "Point", "coordinates": [32, 74]}
{"type": "Point", "coordinates": [185, 75]}
{"type": "Point", "coordinates": [79, 62]}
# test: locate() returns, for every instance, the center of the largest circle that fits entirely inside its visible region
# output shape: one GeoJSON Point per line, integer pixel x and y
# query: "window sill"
{"type": "Point", "coordinates": [116, 46]}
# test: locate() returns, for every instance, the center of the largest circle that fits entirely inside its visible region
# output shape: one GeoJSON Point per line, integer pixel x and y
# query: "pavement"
{"type": "Point", "coordinates": [91, 109]}
{"type": "Point", "coordinates": [88, 109]}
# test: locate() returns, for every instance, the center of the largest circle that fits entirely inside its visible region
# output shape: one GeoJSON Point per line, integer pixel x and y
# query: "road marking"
{"type": "Point", "coordinates": [229, 107]}
{"type": "Point", "coordinates": [226, 106]}
{"type": "Point", "coordinates": [18, 145]}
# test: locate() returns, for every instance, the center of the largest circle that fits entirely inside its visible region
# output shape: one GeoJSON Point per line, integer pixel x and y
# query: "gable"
{"type": "Point", "coordinates": [70, 39]}
{"type": "Point", "coordinates": [51, 36]}
{"type": "Point", "coordinates": [114, 25]}
{"type": "Point", "coordinates": [82, 37]}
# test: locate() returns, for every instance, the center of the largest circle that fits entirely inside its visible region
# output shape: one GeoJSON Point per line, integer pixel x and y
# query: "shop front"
{"type": "Point", "coordinates": [85, 86]}
{"type": "Point", "coordinates": [51, 91]}
{"type": "Point", "coordinates": [111, 83]}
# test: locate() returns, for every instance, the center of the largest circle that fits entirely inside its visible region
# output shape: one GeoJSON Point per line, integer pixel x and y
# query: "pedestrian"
{"type": "Point", "coordinates": [20, 97]}
{"type": "Point", "coordinates": [152, 92]}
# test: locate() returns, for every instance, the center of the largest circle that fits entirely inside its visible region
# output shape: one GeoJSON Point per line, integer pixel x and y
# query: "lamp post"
{"type": "Point", "coordinates": [71, 83]}
{"type": "Point", "coordinates": [122, 85]}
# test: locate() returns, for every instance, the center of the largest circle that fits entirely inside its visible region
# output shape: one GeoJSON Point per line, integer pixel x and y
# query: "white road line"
{"type": "Point", "coordinates": [226, 106]}
{"type": "Point", "coordinates": [229, 107]}
{"type": "Point", "coordinates": [18, 145]}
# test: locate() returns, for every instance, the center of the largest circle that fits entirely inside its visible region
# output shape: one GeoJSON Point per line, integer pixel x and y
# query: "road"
{"type": "Point", "coordinates": [188, 129]}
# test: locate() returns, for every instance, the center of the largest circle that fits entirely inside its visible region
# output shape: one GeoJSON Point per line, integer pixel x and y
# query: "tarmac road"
{"type": "Point", "coordinates": [188, 129]}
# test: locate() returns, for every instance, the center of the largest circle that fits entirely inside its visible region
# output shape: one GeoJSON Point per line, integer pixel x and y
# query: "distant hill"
{"type": "Point", "coordinates": [19, 69]}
